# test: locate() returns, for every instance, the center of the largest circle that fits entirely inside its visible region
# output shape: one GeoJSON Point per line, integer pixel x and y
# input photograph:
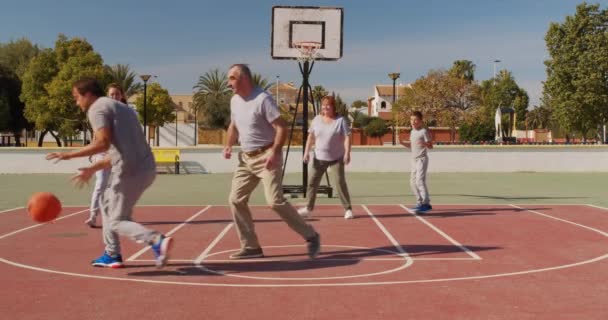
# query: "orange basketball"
{"type": "Point", "coordinates": [43, 207]}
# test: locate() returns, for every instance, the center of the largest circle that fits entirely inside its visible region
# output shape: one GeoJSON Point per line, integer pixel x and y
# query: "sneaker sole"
{"type": "Point", "coordinates": [314, 254]}
{"type": "Point", "coordinates": [112, 265]}
{"type": "Point", "coordinates": [252, 256]}
{"type": "Point", "coordinates": [165, 249]}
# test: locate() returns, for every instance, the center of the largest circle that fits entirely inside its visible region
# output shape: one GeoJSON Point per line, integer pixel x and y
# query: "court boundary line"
{"type": "Point", "coordinates": [489, 276]}
{"type": "Point", "coordinates": [597, 207]}
{"type": "Point", "coordinates": [13, 209]}
{"type": "Point", "coordinates": [605, 234]}
{"type": "Point", "coordinates": [466, 250]}
{"type": "Point", "coordinates": [172, 231]}
{"type": "Point", "coordinates": [354, 204]}
{"type": "Point", "coordinates": [218, 238]}
{"type": "Point", "coordinates": [42, 224]}
{"type": "Point", "coordinates": [390, 237]}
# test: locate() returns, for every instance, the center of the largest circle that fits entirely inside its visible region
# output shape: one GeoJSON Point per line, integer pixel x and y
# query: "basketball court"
{"type": "Point", "coordinates": [457, 262]}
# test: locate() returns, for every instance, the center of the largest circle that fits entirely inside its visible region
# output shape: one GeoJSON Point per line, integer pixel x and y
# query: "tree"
{"type": "Point", "coordinates": [259, 81]}
{"type": "Point", "coordinates": [318, 92]}
{"type": "Point", "coordinates": [577, 81]}
{"type": "Point", "coordinates": [463, 69]}
{"type": "Point", "coordinates": [212, 99]}
{"type": "Point", "coordinates": [11, 108]}
{"type": "Point", "coordinates": [538, 118]}
{"type": "Point", "coordinates": [159, 107]}
{"type": "Point", "coordinates": [376, 128]}
{"type": "Point", "coordinates": [358, 104]}
{"type": "Point", "coordinates": [16, 55]}
{"type": "Point", "coordinates": [122, 75]}
{"type": "Point", "coordinates": [443, 97]}
{"type": "Point", "coordinates": [341, 108]}
{"type": "Point", "coordinates": [504, 92]}
{"type": "Point", "coordinates": [47, 87]}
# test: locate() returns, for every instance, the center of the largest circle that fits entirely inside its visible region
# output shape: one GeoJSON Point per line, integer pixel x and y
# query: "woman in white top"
{"type": "Point", "coordinates": [330, 133]}
{"type": "Point", "coordinates": [102, 176]}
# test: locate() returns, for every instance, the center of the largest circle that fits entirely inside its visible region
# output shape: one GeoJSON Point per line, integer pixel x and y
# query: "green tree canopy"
{"type": "Point", "coordinates": [47, 86]}
{"type": "Point", "coordinates": [212, 99]}
{"type": "Point", "coordinates": [463, 69]}
{"type": "Point", "coordinates": [16, 55]}
{"type": "Point", "coordinates": [376, 128]}
{"type": "Point", "coordinates": [11, 108]}
{"type": "Point", "coordinates": [159, 106]}
{"type": "Point", "coordinates": [122, 75]}
{"type": "Point", "coordinates": [358, 104]}
{"type": "Point", "coordinates": [504, 92]}
{"type": "Point", "coordinates": [443, 97]}
{"type": "Point", "coordinates": [576, 88]}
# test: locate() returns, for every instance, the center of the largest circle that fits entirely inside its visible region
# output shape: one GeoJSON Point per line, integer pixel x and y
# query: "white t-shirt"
{"type": "Point", "coordinates": [253, 117]}
{"type": "Point", "coordinates": [329, 137]}
{"type": "Point", "coordinates": [416, 137]}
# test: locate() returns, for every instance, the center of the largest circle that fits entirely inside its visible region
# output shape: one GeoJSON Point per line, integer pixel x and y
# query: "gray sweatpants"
{"type": "Point", "coordinates": [418, 180]}
{"type": "Point", "coordinates": [336, 167]}
{"type": "Point", "coordinates": [118, 201]}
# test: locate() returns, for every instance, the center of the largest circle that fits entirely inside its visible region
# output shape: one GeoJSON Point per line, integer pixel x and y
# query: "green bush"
{"type": "Point", "coordinates": [472, 132]}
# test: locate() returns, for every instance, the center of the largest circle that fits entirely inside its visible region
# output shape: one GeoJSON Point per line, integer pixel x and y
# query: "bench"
{"type": "Point", "coordinates": [167, 158]}
{"type": "Point", "coordinates": [298, 189]}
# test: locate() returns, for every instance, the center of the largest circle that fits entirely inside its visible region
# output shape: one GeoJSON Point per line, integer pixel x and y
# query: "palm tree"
{"type": "Point", "coordinates": [212, 98]}
{"type": "Point", "coordinates": [123, 76]}
{"type": "Point", "coordinates": [259, 81]}
{"type": "Point", "coordinates": [318, 92]}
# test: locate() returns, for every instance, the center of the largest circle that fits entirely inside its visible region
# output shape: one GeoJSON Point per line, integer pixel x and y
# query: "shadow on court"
{"type": "Point", "coordinates": [328, 259]}
{"type": "Point", "coordinates": [512, 198]}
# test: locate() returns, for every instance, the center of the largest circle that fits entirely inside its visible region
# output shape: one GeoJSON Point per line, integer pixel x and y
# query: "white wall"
{"type": "Point", "coordinates": [379, 159]}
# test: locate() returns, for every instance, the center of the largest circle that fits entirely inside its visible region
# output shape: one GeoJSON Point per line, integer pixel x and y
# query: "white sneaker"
{"type": "Point", "coordinates": [348, 214]}
{"type": "Point", "coordinates": [304, 212]}
{"type": "Point", "coordinates": [91, 221]}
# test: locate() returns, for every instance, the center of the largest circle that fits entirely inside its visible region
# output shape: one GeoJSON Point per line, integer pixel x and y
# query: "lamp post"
{"type": "Point", "coordinates": [145, 78]}
{"type": "Point", "coordinates": [495, 62]}
{"type": "Point", "coordinates": [278, 100]}
{"type": "Point", "coordinates": [195, 125]}
{"type": "Point", "coordinates": [394, 76]}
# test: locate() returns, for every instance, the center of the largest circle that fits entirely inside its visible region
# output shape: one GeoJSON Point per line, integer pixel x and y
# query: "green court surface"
{"type": "Point", "coordinates": [365, 188]}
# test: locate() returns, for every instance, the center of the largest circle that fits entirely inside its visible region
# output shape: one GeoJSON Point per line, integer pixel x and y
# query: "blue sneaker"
{"type": "Point", "coordinates": [161, 250]}
{"type": "Point", "coordinates": [424, 208]}
{"type": "Point", "coordinates": [108, 261]}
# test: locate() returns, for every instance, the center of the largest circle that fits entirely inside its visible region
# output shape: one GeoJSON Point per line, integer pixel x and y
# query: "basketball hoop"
{"type": "Point", "coordinates": [308, 50]}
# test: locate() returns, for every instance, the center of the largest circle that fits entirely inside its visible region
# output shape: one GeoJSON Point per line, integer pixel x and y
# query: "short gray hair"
{"type": "Point", "coordinates": [243, 69]}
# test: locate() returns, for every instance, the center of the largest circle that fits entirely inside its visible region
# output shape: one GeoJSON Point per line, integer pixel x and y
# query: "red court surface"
{"type": "Point", "coordinates": [455, 262]}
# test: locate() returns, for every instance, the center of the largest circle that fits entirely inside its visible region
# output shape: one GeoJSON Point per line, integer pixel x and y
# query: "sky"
{"type": "Point", "coordinates": [180, 40]}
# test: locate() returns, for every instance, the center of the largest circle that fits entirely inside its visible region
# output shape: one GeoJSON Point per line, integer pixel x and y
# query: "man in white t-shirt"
{"type": "Point", "coordinates": [256, 121]}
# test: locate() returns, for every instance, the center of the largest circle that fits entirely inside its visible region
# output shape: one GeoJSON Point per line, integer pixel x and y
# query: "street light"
{"type": "Point", "coordinates": [145, 78]}
{"type": "Point", "coordinates": [495, 62]}
{"type": "Point", "coordinates": [394, 76]}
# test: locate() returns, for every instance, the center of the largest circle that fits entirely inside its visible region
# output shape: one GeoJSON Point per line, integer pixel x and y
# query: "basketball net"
{"type": "Point", "coordinates": [308, 50]}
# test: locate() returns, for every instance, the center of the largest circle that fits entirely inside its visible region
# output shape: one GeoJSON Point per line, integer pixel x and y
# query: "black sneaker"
{"type": "Point", "coordinates": [314, 246]}
{"type": "Point", "coordinates": [248, 254]}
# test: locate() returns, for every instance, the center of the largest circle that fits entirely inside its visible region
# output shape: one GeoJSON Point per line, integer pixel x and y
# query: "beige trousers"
{"type": "Point", "coordinates": [246, 178]}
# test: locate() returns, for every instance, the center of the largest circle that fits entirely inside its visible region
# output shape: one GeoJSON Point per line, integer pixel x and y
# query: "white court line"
{"type": "Point", "coordinates": [291, 260]}
{"type": "Point", "coordinates": [443, 234]}
{"type": "Point", "coordinates": [146, 248]}
{"type": "Point", "coordinates": [41, 224]}
{"type": "Point", "coordinates": [323, 284]}
{"type": "Point", "coordinates": [390, 237]}
{"type": "Point", "coordinates": [562, 220]}
{"type": "Point", "coordinates": [215, 241]}
{"type": "Point", "coordinates": [13, 209]}
{"type": "Point", "coordinates": [597, 207]}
